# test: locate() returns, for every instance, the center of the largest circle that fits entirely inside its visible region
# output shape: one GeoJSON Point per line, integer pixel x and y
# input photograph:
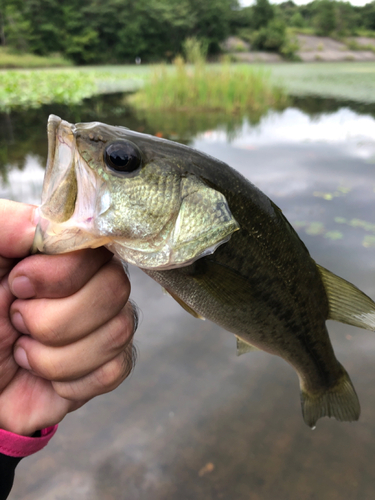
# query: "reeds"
{"type": "Point", "coordinates": [200, 87]}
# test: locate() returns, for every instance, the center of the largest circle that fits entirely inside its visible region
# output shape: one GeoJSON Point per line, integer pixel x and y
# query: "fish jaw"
{"type": "Point", "coordinates": [85, 204]}
{"type": "Point", "coordinates": [72, 198]}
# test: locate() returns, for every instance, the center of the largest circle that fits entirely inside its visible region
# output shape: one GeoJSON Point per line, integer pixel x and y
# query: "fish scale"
{"type": "Point", "coordinates": [215, 243]}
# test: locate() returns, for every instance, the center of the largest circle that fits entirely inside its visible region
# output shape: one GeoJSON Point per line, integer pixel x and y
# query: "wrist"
{"type": "Point", "coordinates": [15, 445]}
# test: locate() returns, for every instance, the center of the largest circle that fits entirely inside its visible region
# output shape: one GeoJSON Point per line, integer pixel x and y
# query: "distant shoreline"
{"type": "Point", "coordinates": [317, 48]}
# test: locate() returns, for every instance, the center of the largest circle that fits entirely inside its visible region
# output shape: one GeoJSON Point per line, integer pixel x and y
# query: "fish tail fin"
{"type": "Point", "coordinates": [339, 401]}
{"type": "Point", "coordinates": [347, 303]}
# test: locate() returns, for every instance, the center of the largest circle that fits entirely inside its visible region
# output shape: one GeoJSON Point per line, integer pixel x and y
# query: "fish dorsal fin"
{"type": "Point", "coordinates": [244, 347]}
{"type": "Point", "coordinates": [346, 302]}
{"type": "Point", "coordinates": [183, 304]}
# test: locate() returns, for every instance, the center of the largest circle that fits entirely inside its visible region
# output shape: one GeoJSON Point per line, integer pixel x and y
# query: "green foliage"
{"type": "Point", "coordinates": [222, 88]}
{"type": "Point", "coordinates": [354, 45]}
{"type": "Point", "coordinates": [270, 37]}
{"type": "Point", "coordinates": [263, 13]}
{"type": "Point", "coordinates": [93, 31]}
{"type": "Point", "coordinates": [32, 89]}
{"type": "Point", "coordinates": [118, 31]}
{"type": "Point", "coordinates": [274, 37]}
{"type": "Point", "coordinates": [325, 20]}
{"type": "Point", "coordinates": [11, 59]}
{"type": "Point", "coordinates": [297, 20]}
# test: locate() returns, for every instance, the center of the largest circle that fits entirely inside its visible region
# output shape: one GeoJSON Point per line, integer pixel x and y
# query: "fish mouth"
{"type": "Point", "coordinates": [66, 217]}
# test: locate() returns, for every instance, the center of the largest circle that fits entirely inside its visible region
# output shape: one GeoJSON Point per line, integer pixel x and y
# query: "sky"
{"type": "Point", "coordinates": [244, 3]}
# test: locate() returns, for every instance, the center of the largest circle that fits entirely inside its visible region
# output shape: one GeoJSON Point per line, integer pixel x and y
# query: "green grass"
{"type": "Point", "coordinates": [9, 59]}
{"type": "Point", "coordinates": [201, 87]}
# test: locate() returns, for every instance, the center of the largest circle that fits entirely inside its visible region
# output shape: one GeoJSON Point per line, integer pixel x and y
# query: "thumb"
{"type": "Point", "coordinates": [17, 228]}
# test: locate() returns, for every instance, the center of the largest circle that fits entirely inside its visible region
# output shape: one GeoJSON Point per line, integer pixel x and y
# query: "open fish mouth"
{"type": "Point", "coordinates": [69, 197]}
{"type": "Point", "coordinates": [103, 189]}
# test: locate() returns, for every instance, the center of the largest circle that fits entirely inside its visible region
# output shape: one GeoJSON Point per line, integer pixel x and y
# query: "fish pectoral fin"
{"type": "Point", "coordinates": [244, 347]}
{"type": "Point", "coordinates": [339, 401]}
{"type": "Point", "coordinates": [183, 304]}
{"type": "Point", "coordinates": [346, 302]}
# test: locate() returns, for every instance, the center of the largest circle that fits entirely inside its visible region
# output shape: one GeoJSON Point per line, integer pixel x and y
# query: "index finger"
{"type": "Point", "coordinates": [17, 228]}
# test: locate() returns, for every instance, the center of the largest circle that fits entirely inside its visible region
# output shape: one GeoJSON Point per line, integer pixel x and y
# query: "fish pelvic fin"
{"type": "Point", "coordinates": [339, 401]}
{"type": "Point", "coordinates": [347, 303]}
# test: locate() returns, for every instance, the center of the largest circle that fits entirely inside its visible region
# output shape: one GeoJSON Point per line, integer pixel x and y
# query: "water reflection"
{"type": "Point", "coordinates": [195, 421]}
{"type": "Point", "coordinates": [23, 133]}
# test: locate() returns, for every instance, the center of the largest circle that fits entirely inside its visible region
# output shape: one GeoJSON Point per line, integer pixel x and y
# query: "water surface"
{"type": "Point", "coordinates": [194, 421]}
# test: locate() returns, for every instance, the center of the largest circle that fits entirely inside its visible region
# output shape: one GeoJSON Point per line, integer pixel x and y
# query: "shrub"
{"type": "Point", "coordinates": [274, 37]}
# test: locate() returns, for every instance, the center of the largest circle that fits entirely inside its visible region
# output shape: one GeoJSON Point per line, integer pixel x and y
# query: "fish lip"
{"type": "Point", "coordinates": [77, 231]}
{"type": "Point", "coordinates": [52, 126]}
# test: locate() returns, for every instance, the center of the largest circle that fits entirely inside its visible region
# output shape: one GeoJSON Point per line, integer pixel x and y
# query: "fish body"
{"type": "Point", "coordinates": [213, 240]}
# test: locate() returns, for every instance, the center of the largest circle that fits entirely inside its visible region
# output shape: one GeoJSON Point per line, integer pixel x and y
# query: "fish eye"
{"type": "Point", "coordinates": [123, 157]}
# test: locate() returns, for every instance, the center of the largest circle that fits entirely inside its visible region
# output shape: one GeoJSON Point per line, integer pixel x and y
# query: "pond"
{"type": "Point", "coordinates": [194, 421]}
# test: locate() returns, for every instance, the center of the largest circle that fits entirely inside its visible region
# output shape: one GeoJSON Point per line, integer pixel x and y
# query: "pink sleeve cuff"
{"type": "Point", "coordinates": [15, 445]}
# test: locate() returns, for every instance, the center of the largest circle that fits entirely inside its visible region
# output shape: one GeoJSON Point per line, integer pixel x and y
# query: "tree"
{"type": "Point", "coordinates": [368, 16]}
{"type": "Point", "coordinates": [263, 12]}
{"type": "Point", "coordinates": [325, 20]}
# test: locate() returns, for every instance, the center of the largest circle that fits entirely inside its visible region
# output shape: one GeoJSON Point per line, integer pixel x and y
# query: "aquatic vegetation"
{"type": "Point", "coordinates": [31, 89]}
{"type": "Point", "coordinates": [346, 81]}
{"type": "Point", "coordinates": [225, 87]}
{"type": "Point", "coordinates": [316, 228]}
{"type": "Point", "coordinates": [340, 191]}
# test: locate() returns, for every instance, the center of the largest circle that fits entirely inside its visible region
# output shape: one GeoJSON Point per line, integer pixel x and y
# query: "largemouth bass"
{"type": "Point", "coordinates": [214, 241]}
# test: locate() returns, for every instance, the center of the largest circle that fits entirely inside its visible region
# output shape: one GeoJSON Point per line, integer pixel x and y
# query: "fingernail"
{"type": "Point", "coordinates": [22, 288]}
{"type": "Point", "coordinates": [19, 324]}
{"type": "Point", "coordinates": [21, 358]}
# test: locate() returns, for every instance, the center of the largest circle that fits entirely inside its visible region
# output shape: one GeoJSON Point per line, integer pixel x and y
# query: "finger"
{"type": "Point", "coordinates": [105, 379]}
{"type": "Point", "coordinates": [58, 322]}
{"type": "Point", "coordinates": [6, 265]}
{"type": "Point", "coordinates": [80, 358]}
{"type": "Point", "coordinates": [29, 403]}
{"type": "Point", "coordinates": [17, 228]}
{"type": "Point", "coordinates": [8, 336]}
{"type": "Point", "coordinates": [56, 276]}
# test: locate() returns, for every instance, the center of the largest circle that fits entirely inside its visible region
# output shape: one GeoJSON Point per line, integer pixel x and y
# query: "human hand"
{"type": "Point", "coordinates": [66, 326]}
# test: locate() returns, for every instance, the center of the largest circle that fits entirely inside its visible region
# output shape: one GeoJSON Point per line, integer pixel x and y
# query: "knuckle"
{"type": "Point", "coordinates": [109, 375]}
{"type": "Point", "coordinates": [42, 329]}
{"type": "Point", "coordinates": [118, 286]}
{"type": "Point", "coordinates": [67, 390]}
{"type": "Point", "coordinates": [47, 366]}
{"type": "Point", "coordinates": [120, 331]}
{"type": "Point", "coordinates": [114, 372]}
{"type": "Point", "coordinates": [46, 334]}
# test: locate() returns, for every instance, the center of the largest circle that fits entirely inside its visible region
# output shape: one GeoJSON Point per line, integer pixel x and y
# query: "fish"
{"type": "Point", "coordinates": [217, 244]}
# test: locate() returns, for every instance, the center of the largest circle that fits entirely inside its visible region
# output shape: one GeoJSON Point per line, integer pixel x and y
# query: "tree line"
{"type": "Point", "coordinates": [118, 31]}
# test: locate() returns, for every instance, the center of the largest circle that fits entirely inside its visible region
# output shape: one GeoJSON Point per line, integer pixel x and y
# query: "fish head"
{"type": "Point", "coordinates": [133, 193]}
